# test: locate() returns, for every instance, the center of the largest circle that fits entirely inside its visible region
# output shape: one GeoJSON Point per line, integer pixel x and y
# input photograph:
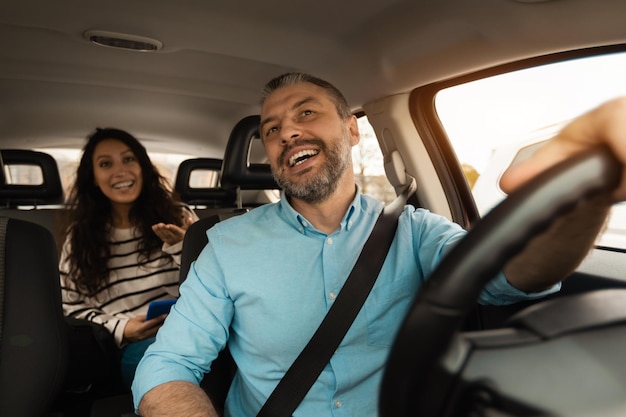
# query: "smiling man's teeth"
{"type": "Point", "coordinates": [301, 156]}
{"type": "Point", "coordinates": [123, 185]}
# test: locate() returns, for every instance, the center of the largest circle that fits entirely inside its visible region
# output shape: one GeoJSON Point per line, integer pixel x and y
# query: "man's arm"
{"type": "Point", "coordinates": [557, 252]}
{"type": "Point", "coordinates": [553, 255]}
{"type": "Point", "coordinates": [176, 398]}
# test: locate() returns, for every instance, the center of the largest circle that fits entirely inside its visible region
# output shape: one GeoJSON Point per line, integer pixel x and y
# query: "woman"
{"type": "Point", "coordinates": [123, 241]}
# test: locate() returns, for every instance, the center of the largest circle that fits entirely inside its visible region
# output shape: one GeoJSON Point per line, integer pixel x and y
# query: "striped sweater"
{"type": "Point", "coordinates": [133, 283]}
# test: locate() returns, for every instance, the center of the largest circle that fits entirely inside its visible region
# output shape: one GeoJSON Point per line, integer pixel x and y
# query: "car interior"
{"type": "Point", "coordinates": [442, 98]}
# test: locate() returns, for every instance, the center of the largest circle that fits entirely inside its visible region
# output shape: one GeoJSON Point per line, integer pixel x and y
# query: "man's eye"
{"type": "Point", "coordinates": [270, 131]}
{"type": "Point", "coordinates": [307, 112]}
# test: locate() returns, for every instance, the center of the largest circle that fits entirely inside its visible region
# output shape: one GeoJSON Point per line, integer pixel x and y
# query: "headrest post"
{"type": "Point", "coordinates": [239, 198]}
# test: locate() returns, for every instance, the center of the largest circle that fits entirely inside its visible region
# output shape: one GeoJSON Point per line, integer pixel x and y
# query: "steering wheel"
{"type": "Point", "coordinates": [438, 311]}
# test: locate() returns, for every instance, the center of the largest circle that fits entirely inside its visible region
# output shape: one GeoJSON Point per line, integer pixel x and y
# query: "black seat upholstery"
{"type": "Point", "coordinates": [29, 196]}
{"type": "Point", "coordinates": [49, 191]}
{"type": "Point", "coordinates": [237, 171]}
{"type": "Point", "coordinates": [237, 174]}
{"type": "Point", "coordinates": [211, 197]}
{"type": "Point", "coordinates": [33, 347]}
{"type": "Point", "coordinates": [91, 363]}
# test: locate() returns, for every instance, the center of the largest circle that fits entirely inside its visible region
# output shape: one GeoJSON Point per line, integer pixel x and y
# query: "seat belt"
{"type": "Point", "coordinates": [305, 370]}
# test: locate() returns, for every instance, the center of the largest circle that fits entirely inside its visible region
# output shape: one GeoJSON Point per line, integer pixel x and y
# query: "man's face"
{"type": "Point", "coordinates": [309, 146]}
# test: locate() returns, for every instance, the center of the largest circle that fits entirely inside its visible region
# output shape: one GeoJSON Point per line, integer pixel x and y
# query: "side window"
{"type": "Point", "coordinates": [493, 122]}
{"type": "Point", "coordinates": [368, 165]}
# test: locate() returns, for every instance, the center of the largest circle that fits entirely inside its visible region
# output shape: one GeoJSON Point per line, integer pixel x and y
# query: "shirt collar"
{"type": "Point", "coordinates": [300, 223]}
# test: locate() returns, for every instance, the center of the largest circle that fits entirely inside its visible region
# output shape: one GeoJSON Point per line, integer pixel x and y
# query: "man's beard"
{"type": "Point", "coordinates": [317, 188]}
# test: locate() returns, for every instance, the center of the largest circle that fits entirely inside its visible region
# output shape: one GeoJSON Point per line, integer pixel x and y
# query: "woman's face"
{"type": "Point", "coordinates": [117, 171]}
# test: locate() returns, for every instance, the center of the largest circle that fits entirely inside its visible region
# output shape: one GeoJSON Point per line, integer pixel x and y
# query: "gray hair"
{"type": "Point", "coordinates": [292, 78]}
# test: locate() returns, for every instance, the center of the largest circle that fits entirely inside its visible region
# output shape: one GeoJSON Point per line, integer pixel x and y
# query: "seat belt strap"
{"type": "Point", "coordinates": [305, 370]}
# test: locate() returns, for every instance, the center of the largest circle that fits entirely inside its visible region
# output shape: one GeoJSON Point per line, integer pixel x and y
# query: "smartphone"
{"type": "Point", "coordinates": [156, 308]}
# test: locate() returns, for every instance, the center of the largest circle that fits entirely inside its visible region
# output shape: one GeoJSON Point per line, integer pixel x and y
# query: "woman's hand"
{"type": "Point", "coordinates": [171, 233]}
{"type": "Point", "coordinates": [138, 328]}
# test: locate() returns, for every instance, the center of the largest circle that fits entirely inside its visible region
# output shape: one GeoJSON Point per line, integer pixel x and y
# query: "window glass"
{"type": "Point", "coordinates": [23, 174]}
{"type": "Point", "coordinates": [368, 165]}
{"type": "Point", "coordinates": [204, 178]}
{"type": "Point", "coordinates": [492, 121]}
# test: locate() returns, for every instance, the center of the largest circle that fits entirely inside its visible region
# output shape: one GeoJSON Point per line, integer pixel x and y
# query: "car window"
{"type": "Point", "coordinates": [495, 121]}
{"type": "Point", "coordinates": [368, 164]}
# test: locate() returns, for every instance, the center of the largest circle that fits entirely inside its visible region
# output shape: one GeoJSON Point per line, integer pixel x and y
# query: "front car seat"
{"type": "Point", "coordinates": [33, 345]}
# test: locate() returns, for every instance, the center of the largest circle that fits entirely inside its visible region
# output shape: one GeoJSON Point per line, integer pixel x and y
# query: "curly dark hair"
{"type": "Point", "coordinates": [87, 221]}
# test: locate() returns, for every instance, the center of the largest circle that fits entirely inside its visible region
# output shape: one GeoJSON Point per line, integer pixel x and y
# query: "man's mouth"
{"type": "Point", "coordinates": [300, 157]}
{"type": "Point", "coordinates": [122, 185]}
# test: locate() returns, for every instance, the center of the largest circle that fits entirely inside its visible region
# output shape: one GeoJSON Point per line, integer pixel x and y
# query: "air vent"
{"type": "Point", "coordinates": [123, 41]}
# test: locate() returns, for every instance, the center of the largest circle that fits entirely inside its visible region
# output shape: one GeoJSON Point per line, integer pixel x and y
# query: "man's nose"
{"type": "Point", "coordinates": [290, 131]}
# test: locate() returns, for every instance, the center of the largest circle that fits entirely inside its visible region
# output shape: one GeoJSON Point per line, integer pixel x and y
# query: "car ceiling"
{"type": "Point", "coordinates": [56, 87]}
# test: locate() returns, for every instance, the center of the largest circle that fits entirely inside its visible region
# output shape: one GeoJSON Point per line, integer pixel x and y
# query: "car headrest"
{"type": "Point", "coordinates": [210, 195]}
{"type": "Point", "coordinates": [34, 190]}
{"type": "Point", "coordinates": [237, 171]}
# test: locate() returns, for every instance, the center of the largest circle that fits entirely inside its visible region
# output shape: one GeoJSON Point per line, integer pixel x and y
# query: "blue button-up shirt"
{"type": "Point", "coordinates": [264, 284]}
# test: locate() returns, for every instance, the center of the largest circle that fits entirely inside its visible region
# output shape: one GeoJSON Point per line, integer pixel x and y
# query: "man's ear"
{"type": "Point", "coordinates": [353, 130]}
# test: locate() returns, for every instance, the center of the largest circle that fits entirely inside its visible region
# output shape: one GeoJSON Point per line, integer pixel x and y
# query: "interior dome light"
{"type": "Point", "coordinates": [123, 41]}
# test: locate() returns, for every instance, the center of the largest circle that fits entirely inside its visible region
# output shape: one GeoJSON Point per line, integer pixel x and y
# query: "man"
{"type": "Point", "coordinates": [267, 278]}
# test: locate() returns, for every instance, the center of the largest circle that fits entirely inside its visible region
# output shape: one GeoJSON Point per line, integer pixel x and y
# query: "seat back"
{"type": "Point", "coordinates": [237, 174]}
{"type": "Point", "coordinates": [33, 345]}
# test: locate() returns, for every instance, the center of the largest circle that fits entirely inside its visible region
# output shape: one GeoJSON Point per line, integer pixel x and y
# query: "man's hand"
{"type": "Point", "coordinates": [605, 125]}
{"type": "Point", "coordinates": [554, 254]}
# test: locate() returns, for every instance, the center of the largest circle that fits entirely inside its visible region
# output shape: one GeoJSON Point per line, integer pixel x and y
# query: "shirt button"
{"type": "Point", "coordinates": [329, 240]}
{"type": "Point", "coordinates": [338, 403]}
{"type": "Point", "coordinates": [332, 295]}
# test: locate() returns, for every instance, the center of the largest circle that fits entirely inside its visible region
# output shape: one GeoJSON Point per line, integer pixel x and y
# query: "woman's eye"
{"type": "Point", "coordinates": [129, 159]}
{"type": "Point", "coordinates": [104, 164]}
{"type": "Point", "coordinates": [307, 112]}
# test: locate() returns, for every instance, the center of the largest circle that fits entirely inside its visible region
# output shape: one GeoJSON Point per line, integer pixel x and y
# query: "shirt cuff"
{"type": "Point", "coordinates": [500, 292]}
